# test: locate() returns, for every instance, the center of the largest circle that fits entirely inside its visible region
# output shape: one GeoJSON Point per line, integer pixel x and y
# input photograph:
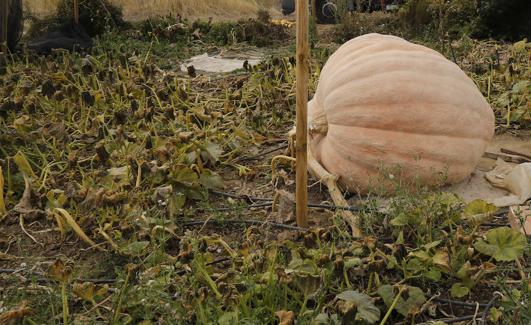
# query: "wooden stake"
{"type": "Point", "coordinates": [4, 17]}
{"type": "Point", "coordinates": [76, 11]}
{"type": "Point", "coordinates": [313, 8]}
{"type": "Point", "coordinates": [302, 75]}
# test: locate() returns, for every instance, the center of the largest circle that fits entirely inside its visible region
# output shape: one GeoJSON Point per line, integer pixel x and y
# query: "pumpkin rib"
{"type": "Point", "coordinates": [383, 66]}
{"type": "Point", "coordinates": [380, 80]}
{"type": "Point", "coordinates": [430, 154]}
{"type": "Point", "coordinates": [410, 53]}
{"type": "Point", "coordinates": [445, 92]}
{"type": "Point", "coordinates": [345, 53]}
{"type": "Point", "coordinates": [363, 172]}
{"type": "Point", "coordinates": [414, 132]}
{"type": "Point", "coordinates": [375, 167]}
{"type": "Point", "coordinates": [413, 116]}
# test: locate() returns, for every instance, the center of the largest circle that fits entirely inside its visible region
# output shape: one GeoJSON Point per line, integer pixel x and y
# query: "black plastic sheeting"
{"type": "Point", "coordinates": [14, 23]}
{"type": "Point", "coordinates": [69, 37]}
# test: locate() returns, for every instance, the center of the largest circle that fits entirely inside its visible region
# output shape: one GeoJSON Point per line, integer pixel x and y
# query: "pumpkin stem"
{"type": "Point", "coordinates": [330, 180]}
{"type": "Point", "coordinates": [320, 124]}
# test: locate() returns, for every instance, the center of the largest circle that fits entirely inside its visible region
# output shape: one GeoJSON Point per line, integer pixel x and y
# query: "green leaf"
{"type": "Point", "coordinates": [210, 180]}
{"type": "Point", "coordinates": [431, 245]}
{"type": "Point", "coordinates": [458, 290]}
{"type": "Point", "coordinates": [228, 318]}
{"type": "Point", "coordinates": [387, 292]}
{"type": "Point", "coordinates": [353, 262]}
{"type": "Point", "coordinates": [520, 86]}
{"type": "Point", "coordinates": [413, 303]}
{"type": "Point", "coordinates": [400, 220]}
{"type": "Point", "coordinates": [478, 211]}
{"type": "Point", "coordinates": [307, 283]}
{"type": "Point", "coordinates": [442, 260]}
{"type": "Point", "coordinates": [23, 164]}
{"type": "Point", "coordinates": [323, 319]}
{"type": "Point", "coordinates": [504, 244]}
{"type": "Point", "coordinates": [214, 150]}
{"type": "Point", "coordinates": [175, 203]}
{"type": "Point", "coordinates": [411, 306]}
{"type": "Point", "coordinates": [415, 265]}
{"type": "Point", "coordinates": [364, 305]}
{"type": "Point", "coordinates": [433, 274]}
{"type": "Point", "coordinates": [185, 176]}
{"type": "Point", "coordinates": [421, 255]}
{"type": "Point", "coordinates": [135, 248]}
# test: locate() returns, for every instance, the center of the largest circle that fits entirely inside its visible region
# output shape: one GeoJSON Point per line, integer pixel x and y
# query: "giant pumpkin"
{"type": "Point", "coordinates": [387, 109]}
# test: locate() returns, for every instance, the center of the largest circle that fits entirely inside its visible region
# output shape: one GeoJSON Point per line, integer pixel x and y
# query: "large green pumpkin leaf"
{"type": "Point", "coordinates": [503, 244]}
{"type": "Point", "coordinates": [364, 305]}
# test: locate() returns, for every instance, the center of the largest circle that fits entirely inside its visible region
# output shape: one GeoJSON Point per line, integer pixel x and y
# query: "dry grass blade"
{"type": "Point", "coordinates": [23, 163]}
{"type": "Point", "coordinates": [77, 229]}
{"type": "Point", "coordinates": [21, 223]}
{"type": "Point", "coordinates": [109, 239]}
{"type": "Point", "coordinates": [60, 224]}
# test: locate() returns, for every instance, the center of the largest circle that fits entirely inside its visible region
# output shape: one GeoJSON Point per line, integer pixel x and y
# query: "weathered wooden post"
{"type": "Point", "coordinates": [76, 11]}
{"type": "Point", "coordinates": [4, 17]}
{"type": "Point", "coordinates": [302, 75]}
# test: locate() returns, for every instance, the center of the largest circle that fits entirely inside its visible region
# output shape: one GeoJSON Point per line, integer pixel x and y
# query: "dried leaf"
{"type": "Point", "coordinates": [84, 291]}
{"type": "Point", "coordinates": [59, 272]}
{"type": "Point", "coordinates": [285, 317]}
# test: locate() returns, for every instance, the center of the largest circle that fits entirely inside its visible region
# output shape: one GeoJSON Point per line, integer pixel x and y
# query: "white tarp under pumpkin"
{"type": "Point", "coordinates": [224, 62]}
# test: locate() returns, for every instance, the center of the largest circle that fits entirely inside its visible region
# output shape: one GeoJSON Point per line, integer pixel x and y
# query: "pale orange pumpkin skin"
{"type": "Point", "coordinates": [384, 101]}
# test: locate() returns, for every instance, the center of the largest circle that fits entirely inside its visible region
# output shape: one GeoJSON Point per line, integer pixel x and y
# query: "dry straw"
{"type": "Point", "coordinates": [140, 9]}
